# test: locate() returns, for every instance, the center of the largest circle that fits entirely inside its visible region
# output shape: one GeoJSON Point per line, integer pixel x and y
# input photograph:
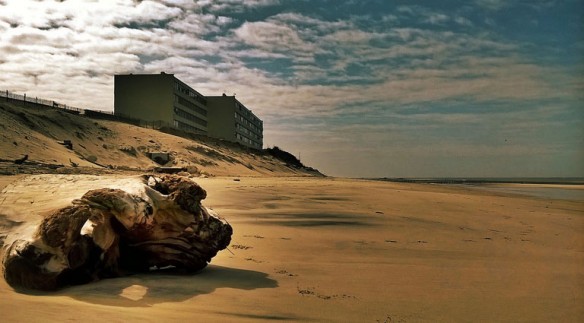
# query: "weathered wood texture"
{"type": "Point", "coordinates": [109, 232]}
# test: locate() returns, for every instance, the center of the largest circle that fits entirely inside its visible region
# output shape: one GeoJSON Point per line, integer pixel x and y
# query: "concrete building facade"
{"type": "Point", "coordinates": [229, 119]}
{"type": "Point", "coordinates": [162, 98]}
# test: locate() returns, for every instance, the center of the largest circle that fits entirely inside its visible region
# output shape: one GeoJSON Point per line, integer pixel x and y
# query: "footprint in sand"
{"type": "Point", "coordinates": [285, 272]}
{"type": "Point", "coordinates": [241, 247]}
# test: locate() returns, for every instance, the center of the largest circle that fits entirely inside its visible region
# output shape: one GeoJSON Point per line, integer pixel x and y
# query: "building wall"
{"type": "Point", "coordinates": [221, 117]}
{"type": "Point", "coordinates": [189, 108]}
{"type": "Point", "coordinates": [160, 97]}
{"type": "Point", "coordinates": [145, 97]}
{"type": "Point", "coordinates": [164, 98]}
{"type": "Point", "coordinates": [248, 127]}
{"type": "Point", "coordinates": [229, 119]}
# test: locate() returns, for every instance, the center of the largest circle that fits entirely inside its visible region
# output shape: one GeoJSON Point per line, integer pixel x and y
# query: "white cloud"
{"type": "Point", "coordinates": [272, 37]}
{"type": "Point", "coordinates": [437, 19]}
{"type": "Point", "coordinates": [199, 24]}
{"type": "Point", "coordinates": [493, 4]}
{"type": "Point", "coordinates": [92, 45]}
{"type": "Point", "coordinates": [184, 4]}
{"type": "Point", "coordinates": [307, 23]}
{"type": "Point", "coordinates": [463, 21]}
{"type": "Point", "coordinates": [347, 37]}
{"type": "Point", "coordinates": [235, 5]}
{"type": "Point", "coordinates": [497, 5]}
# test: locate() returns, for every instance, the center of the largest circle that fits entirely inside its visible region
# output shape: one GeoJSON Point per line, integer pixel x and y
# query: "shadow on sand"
{"type": "Point", "coordinates": [315, 220]}
{"type": "Point", "coordinates": [144, 290]}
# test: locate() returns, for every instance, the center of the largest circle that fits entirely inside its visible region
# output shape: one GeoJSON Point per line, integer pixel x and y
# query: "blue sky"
{"type": "Point", "coordinates": [355, 88]}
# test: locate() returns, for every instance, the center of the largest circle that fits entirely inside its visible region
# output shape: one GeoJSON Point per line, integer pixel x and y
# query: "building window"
{"type": "Point", "coordinates": [191, 105]}
{"type": "Point", "coordinates": [184, 126]}
{"type": "Point", "coordinates": [188, 116]}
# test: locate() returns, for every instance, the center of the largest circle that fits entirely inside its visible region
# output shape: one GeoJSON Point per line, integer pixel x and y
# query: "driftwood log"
{"type": "Point", "coordinates": [110, 232]}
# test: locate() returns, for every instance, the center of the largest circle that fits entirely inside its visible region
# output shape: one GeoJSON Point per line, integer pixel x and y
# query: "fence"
{"type": "Point", "coordinates": [94, 114]}
{"type": "Point", "coordinates": [9, 96]}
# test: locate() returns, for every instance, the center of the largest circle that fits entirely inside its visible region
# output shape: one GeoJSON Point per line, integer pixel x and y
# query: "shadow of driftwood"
{"type": "Point", "coordinates": [315, 220]}
{"type": "Point", "coordinates": [154, 288]}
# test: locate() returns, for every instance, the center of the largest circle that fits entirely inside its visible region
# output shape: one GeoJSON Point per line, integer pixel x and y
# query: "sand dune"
{"type": "Point", "coordinates": [307, 249]}
{"type": "Point", "coordinates": [101, 145]}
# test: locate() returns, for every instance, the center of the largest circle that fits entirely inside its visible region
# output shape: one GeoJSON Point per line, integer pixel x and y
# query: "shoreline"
{"type": "Point", "coordinates": [577, 181]}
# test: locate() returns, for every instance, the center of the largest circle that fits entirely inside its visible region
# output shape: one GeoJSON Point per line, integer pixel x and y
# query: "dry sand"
{"type": "Point", "coordinates": [37, 132]}
{"type": "Point", "coordinates": [336, 250]}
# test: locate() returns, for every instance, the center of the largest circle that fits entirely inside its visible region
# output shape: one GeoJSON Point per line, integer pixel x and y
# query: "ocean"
{"type": "Point", "coordinates": [568, 188]}
{"type": "Point", "coordinates": [557, 193]}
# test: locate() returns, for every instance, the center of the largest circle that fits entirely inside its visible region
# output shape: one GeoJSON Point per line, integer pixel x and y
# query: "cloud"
{"type": "Point", "coordinates": [272, 37]}
{"type": "Point", "coordinates": [235, 6]}
{"type": "Point", "coordinates": [429, 72]}
{"type": "Point", "coordinates": [199, 24]}
{"type": "Point", "coordinates": [186, 5]}
{"type": "Point", "coordinates": [310, 25]}
{"type": "Point", "coordinates": [437, 19]}
{"type": "Point", "coordinates": [463, 21]}
{"type": "Point", "coordinates": [428, 16]}
{"type": "Point", "coordinates": [493, 4]}
{"type": "Point", "coordinates": [497, 5]}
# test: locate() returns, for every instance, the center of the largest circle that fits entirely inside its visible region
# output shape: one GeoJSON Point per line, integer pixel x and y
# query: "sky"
{"type": "Point", "coordinates": [369, 88]}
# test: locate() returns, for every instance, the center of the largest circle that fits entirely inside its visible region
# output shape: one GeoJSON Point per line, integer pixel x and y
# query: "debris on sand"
{"type": "Point", "coordinates": [20, 161]}
{"type": "Point", "coordinates": [109, 232]}
{"type": "Point", "coordinates": [67, 143]}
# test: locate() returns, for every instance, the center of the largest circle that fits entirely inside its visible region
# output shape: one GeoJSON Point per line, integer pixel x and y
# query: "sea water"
{"type": "Point", "coordinates": [556, 193]}
{"type": "Point", "coordinates": [568, 188]}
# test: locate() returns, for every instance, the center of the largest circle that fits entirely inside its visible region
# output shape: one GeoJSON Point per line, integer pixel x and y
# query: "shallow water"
{"type": "Point", "coordinates": [575, 194]}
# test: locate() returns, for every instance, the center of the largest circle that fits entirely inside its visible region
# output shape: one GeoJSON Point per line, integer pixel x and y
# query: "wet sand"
{"type": "Point", "coordinates": [546, 191]}
{"type": "Point", "coordinates": [337, 250]}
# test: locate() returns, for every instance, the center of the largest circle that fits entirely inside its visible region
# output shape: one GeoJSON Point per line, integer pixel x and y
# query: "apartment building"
{"type": "Point", "coordinates": [164, 99]}
{"type": "Point", "coordinates": [160, 98]}
{"type": "Point", "coordinates": [231, 120]}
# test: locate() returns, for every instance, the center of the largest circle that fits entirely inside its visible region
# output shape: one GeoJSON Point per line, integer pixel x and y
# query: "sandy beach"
{"type": "Point", "coordinates": [337, 250]}
{"type": "Point", "coordinates": [362, 161]}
